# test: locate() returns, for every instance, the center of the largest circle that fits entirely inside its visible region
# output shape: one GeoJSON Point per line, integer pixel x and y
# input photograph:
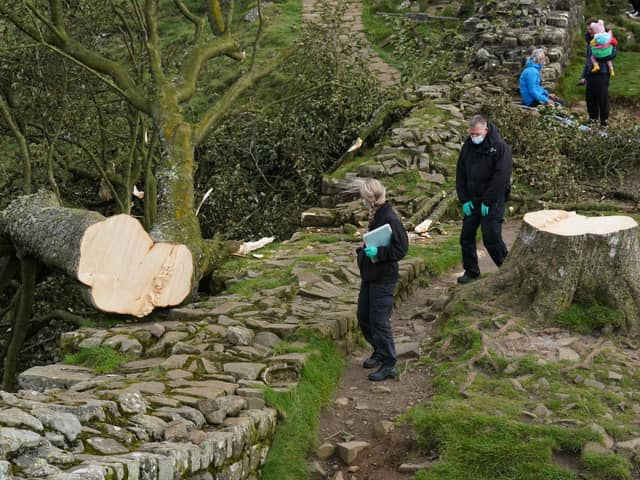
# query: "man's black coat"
{"type": "Point", "coordinates": [484, 171]}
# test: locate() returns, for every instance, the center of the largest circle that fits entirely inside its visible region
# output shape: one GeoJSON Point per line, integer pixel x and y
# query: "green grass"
{"type": "Point", "coordinates": [308, 238]}
{"type": "Point", "coordinates": [313, 258]}
{"type": "Point", "coordinates": [587, 319]}
{"type": "Point", "coordinates": [606, 467]}
{"type": "Point", "coordinates": [101, 359]}
{"type": "Point", "coordinates": [485, 447]}
{"type": "Point", "coordinates": [377, 28]}
{"type": "Point", "coordinates": [296, 436]}
{"type": "Point", "coordinates": [439, 256]}
{"type": "Point", "coordinates": [275, 277]}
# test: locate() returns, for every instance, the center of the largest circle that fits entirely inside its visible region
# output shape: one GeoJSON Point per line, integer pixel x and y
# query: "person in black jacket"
{"type": "Point", "coordinates": [597, 91]}
{"type": "Point", "coordinates": [379, 274]}
{"type": "Point", "coordinates": [483, 174]}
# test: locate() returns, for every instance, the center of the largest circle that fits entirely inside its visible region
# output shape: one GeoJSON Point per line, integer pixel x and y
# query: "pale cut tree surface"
{"type": "Point", "coordinates": [560, 222]}
{"type": "Point", "coordinates": [560, 258]}
{"type": "Point", "coordinates": [127, 272]}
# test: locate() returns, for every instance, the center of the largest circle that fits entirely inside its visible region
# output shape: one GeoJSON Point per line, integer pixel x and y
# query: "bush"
{"type": "Point", "coordinates": [553, 157]}
{"type": "Point", "coordinates": [265, 163]}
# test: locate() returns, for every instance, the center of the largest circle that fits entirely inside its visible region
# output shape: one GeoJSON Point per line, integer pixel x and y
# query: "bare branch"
{"type": "Point", "coordinates": [196, 59]}
{"type": "Point", "coordinates": [20, 140]}
{"type": "Point", "coordinates": [196, 20]}
{"type": "Point", "coordinates": [83, 56]}
{"type": "Point", "coordinates": [153, 41]}
{"type": "Point", "coordinates": [103, 173]}
{"type": "Point", "coordinates": [258, 36]}
{"type": "Point", "coordinates": [214, 14]}
{"type": "Point", "coordinates": [128, 177]}
{"type": "Point", "coordinates": [56, 14]}
{"type": "Point", "coordinates": [230, 13]}
{"type": "Point", "coordinates": [127, 37]}
{"type": "Point", "coordinates": [217, 111]}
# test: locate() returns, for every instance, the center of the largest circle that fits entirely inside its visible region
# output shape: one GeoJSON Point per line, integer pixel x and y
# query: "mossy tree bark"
{"type": "Point", "coordinates": [560, 258]}
{"type": "Point", "coordinates": [161, 97]}
{"type": "Point", "coordinates": [125, 270]}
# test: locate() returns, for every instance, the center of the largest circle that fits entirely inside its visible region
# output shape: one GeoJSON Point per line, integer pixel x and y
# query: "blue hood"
{"type": "Point", "coordinates": [531, 63]}
{"type": "Point", "coordinates": [530, 85]}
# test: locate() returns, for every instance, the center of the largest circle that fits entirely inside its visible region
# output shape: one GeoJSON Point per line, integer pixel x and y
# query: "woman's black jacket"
{"type": "Point", "coordinates": [385, 270]}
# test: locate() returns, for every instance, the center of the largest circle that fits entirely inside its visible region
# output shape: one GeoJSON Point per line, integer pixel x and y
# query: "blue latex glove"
{"type": "Point", "coordinates": [466, 208]}
{"type": "Point", "coordinates": [484, 210]}
{"type": "Point", "coordinates": [371, 252]}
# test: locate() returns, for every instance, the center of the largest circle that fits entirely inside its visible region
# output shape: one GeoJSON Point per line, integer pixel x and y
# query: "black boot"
{"type": "Point", "coordinates": [372, 362]}
{"type": "Point", "coordinates": [384, 372]}
{"type": "Point", "coordinates": [467, 277]}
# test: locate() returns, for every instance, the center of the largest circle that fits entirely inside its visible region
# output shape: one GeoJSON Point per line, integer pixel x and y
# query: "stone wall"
{"type": "Point", "coordinates": [503, 34]}
{"type": "Point", "coordinates": [189, 403]}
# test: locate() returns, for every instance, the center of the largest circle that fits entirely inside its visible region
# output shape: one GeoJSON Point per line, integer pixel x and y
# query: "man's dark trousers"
{"type": "Point", "coordinates": [375, 304]}
{"type": "Point", "coordinates": [597, 95]}
{"type": "Point", "coordinates": [491, 237]}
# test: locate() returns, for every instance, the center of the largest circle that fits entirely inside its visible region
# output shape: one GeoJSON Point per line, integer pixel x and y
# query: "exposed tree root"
{"type": "Point", "coordinates": [483, 308]}
{"type": "Point", "coordinates": [468, 382]}
{"type": "Point", "coordinates": [506, 327]}
{"type": "Point", "coordinates": [445, 345]}
{"type": "Point", "coordinates": [597, 349]}
{"type": "Point", "coordinates": [484, 352]}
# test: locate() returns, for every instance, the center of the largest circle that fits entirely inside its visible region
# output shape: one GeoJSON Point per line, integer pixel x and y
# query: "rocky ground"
{"type": "Point", "coordinates": [358, 435]}
{"type": "Point", "coordinates": [189, 400]}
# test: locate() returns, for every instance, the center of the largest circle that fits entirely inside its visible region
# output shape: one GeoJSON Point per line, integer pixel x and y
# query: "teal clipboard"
{"type": "Point", "coordinates": [379, 237]}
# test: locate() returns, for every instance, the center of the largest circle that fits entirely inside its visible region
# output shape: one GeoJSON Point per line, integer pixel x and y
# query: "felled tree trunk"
{"type": "Point", "coordinates": [560, 258]}
{"type": "Point", "coordinates": [126, 271]}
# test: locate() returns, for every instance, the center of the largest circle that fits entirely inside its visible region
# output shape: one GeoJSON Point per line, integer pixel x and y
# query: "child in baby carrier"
{"type": "Point", "coordinates": [602, 46]}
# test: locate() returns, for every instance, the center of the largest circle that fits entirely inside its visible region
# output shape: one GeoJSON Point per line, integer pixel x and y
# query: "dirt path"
{"type": "Point", "coordinates": [387, 74]}
{"type": "Point", "coordinates": [360, 406]}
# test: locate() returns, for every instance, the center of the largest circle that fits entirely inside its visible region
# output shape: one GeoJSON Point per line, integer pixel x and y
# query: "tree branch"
{"type": "Point", "coordinates": [153, 41]}
{"type": "Point", "coordinates": [130, 158]}
{"type": "Point", "coordinates": [214, 14]}
{"type": "Point", "coordinates": [22, 315]}
{"type": "Point", "coordinates": [230, 12]}
{"type": "Point", "coordinates": [196, 20]}
{"type": "Point", "coordinates": [198, 57]}
{"type": "Point", "coordinates": [20, 140]}
{"type": "Point", "coordinates": [258, 36]}
{"type": "Point", "coordinates": [217, 111]}
{"type": "Point", "coordinates": [127, 37]}
{"type": "Point", "coordinates": [56, 14]}
{"type": "Point", "coordinates": [100, 169]}
{"type": "Point", "coordinates": [94, 62]}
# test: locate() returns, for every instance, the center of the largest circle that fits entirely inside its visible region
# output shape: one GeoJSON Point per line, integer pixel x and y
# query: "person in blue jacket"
{"type": "Point", "coordinates": [531, 89]}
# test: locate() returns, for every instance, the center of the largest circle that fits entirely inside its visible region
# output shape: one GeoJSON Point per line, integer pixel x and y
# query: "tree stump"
{"type": "Point", "coordinates": [560, 258]}
{"type": "Point", "coordinates": [114, 256]}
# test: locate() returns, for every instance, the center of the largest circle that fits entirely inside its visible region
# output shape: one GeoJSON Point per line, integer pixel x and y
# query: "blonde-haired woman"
{"type": "Point", "coordinates": [379, 274]}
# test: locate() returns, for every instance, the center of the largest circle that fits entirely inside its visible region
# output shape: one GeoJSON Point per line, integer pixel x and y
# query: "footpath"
{"type": "Point", "coordinates": [189, 402]}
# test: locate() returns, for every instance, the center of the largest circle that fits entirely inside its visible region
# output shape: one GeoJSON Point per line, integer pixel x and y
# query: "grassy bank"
{"type": "Point", "coordinates": [300, 410]}
{"type": "Point", "coordinates": [506, 418]}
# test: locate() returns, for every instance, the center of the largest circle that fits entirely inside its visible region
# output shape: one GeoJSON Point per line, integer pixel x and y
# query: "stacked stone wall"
{"type": "Point", "coordinates": [504, 33]}
{"type": "Point", "coordinates": [189, 402]}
